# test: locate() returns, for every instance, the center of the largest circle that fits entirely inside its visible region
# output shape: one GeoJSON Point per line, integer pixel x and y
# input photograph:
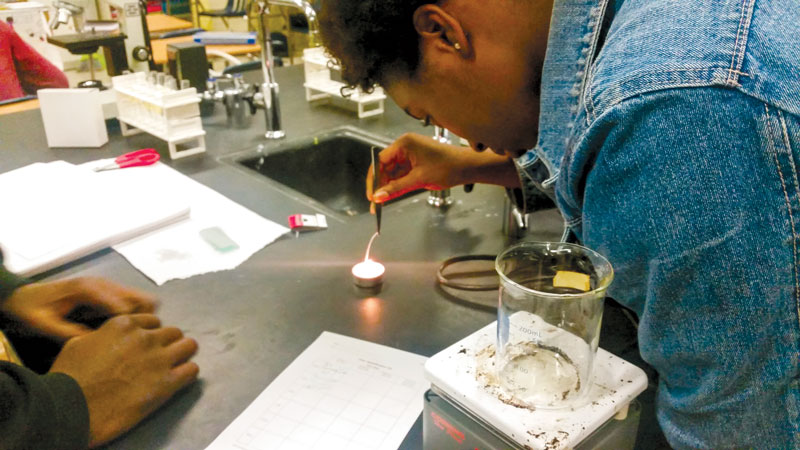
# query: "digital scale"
{"type": "Point", "coordinates": [461, 412]}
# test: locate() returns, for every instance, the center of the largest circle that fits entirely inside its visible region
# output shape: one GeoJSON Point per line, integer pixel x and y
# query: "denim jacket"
{"type": "Point", "coordinates": [670, 139]}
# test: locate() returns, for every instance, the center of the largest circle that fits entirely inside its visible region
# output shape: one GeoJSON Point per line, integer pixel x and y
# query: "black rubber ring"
{"type": "Point", "coordinates": [463, 286]}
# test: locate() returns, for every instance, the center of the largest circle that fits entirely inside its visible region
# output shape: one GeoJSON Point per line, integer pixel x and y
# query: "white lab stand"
{"type": "Point", "coordinates": [171, 115]}
{"type": "Point", "coordinates": [614, 385]}
{"type": "Point", "coordinates": [320, 86]}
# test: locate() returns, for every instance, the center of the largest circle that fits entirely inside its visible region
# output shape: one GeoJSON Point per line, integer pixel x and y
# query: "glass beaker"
{"type": "Point", "coordinates": [548, 321]}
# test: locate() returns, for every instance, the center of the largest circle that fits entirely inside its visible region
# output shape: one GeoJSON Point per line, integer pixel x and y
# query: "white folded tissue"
{"type": "Point", "coordinates": [178, 251]}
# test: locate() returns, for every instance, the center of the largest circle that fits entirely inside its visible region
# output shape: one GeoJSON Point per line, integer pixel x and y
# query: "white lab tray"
{"type": "Point", "coordinates": [615, 384]}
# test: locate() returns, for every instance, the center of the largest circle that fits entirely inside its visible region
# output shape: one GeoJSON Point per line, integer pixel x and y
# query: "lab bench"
{"type": "Point", "coordinates": [253, 321]}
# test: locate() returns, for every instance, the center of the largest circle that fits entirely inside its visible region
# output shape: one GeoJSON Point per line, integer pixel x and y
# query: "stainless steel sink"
{"type": "Point", "coordinates": [329, 168]}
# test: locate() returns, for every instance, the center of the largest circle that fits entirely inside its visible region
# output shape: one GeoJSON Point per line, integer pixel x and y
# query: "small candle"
{"type": "Point", "coordinates": [368, 273]}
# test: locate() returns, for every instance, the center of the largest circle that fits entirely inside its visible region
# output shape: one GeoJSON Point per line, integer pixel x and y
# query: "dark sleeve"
{"type": "Point", "coordinates": [38, 411]}
{"type": "Point", "coordinates": [41, 411]}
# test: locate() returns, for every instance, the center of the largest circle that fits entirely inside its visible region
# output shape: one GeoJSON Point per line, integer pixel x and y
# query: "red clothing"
{"type": "Point", "coordinates": [22, 69]}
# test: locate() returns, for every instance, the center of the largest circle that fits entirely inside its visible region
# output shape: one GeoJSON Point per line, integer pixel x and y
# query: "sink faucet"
{"type": "Point", "coordinates": [269, 89]}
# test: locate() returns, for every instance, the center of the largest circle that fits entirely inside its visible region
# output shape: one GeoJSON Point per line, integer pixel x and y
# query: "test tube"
{"type": "Point", "coordinates": [170, 82]}
{"type": "Point", "coordinates": [160, 77]}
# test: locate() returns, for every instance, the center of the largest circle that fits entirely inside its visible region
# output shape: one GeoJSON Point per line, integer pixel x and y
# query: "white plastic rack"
{"type": "Point", "coordinates": [168, 114]}
{"type": "Point", "coordinates": [319, 85]}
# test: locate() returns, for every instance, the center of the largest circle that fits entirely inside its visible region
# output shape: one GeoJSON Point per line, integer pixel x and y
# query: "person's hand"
{"type": "Point", "coordinates": [47, 308]}
{"type": "Point", "coordinates": [127, 368]}
{"type": "Point", "coordinates": [416, 162]}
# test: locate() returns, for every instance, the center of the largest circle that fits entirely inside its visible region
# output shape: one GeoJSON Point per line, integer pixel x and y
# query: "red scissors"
{"type": "Point", "coordinates": [143, 157]}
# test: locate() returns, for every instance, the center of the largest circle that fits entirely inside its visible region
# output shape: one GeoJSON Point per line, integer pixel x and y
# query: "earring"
{"type": "Point", "coordinates": [457, 46]}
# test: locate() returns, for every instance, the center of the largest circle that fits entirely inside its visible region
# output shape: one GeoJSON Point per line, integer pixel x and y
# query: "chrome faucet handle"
{"type": "Point", "coordinates": [268, 98]}
{"type": "Point", "coordinates": [515, 221]}
{"type": "Point", "coordinates": [311, 17]}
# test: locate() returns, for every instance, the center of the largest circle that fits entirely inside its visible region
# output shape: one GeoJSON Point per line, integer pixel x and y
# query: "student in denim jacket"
{"type": "Point", "coordinates": [667, 131]}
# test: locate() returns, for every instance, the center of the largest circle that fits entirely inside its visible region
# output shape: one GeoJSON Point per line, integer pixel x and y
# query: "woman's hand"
{"type": "Point", "coordinates": [416, 162]}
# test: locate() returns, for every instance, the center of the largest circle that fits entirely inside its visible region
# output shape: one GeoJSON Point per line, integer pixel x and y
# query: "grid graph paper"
{"type": "Point", "coordinates": [340, 393]}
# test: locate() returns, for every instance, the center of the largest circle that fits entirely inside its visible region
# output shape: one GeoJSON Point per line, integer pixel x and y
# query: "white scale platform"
{"type": "Point", "coordinates": [615, 384]}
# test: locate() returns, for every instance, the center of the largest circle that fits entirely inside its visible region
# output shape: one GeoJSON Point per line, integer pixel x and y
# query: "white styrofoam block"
{"type": "Point", "coordinates": [108, 102]}
{"type": "Point", "coordinates": [73, 117]}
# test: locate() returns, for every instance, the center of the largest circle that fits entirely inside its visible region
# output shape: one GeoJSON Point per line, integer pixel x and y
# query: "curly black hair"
{"type": "Point", "coordinates": [371, 38]}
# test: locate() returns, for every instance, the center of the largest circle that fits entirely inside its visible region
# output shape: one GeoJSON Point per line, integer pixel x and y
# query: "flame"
{"type": "Point", "coordinates": [368, 269]}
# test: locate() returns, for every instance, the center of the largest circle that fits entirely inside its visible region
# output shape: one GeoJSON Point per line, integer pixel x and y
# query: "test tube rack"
{"type": "Point", "coordinates": [321, 83]}
{"type": "Point", "coordinates": [169, 114]}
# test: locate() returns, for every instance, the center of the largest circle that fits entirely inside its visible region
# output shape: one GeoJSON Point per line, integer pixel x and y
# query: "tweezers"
{"type": "Point", "coordinates": [375, 180]}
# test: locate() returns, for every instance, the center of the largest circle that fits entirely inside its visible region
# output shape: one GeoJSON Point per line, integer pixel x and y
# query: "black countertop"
{"type": "Point", "coordinates": [253, 321]}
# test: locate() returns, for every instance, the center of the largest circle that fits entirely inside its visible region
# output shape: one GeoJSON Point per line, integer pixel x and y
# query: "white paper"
{"type": "Point", "coordinates": [340, 393]}
{"type": "Point", "coordinates": [55, 212]}
{"type": "Point", "coordinates": [178, 251]}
